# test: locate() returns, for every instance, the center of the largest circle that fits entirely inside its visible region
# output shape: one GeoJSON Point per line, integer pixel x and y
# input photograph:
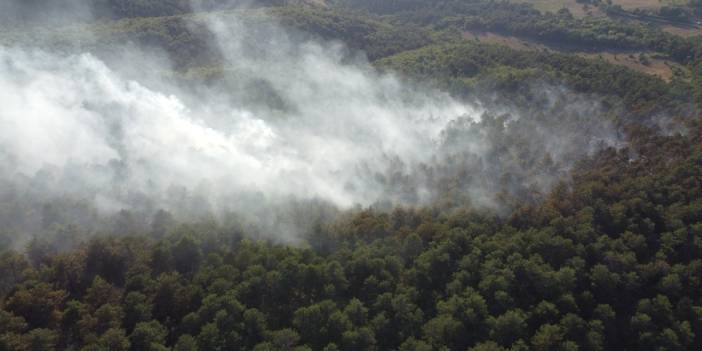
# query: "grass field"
{"type": "Point", "coordinates": [646, 4]}
{"type": "Point", "coordinates": [580, 10]}
{"type": "Point", "coordinates": [683, 32]}
{"type": "Point", "coordinates": [512, 42]}
{"type": "Point", "coordinates": [659, 67]}
{"type": "Point", "coordinates": [653, 65]}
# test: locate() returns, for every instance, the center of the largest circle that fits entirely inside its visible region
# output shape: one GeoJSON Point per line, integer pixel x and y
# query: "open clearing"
{"type": "Point", "coordinates": [646, 4]}
{"type": "Point", "coordinates": [650, 64]}
{"type": "Point", "coordinates": [582, 10]}
{"type": "Point", "coordinates": [682, 31]}
{"type": "Point", "coordinates": [578, 10]}
{"type": "Point", "coordinates": [512, 42]}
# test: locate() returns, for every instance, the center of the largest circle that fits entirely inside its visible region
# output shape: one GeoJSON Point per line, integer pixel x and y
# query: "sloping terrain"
{"type": "Point", "coordinates": [558, 208]}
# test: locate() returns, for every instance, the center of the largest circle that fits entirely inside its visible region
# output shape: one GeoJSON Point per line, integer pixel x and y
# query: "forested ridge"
{"type": "Point", "coordinates": [607, 257]}
{"type": "Point", "coordinates": [609, 261]}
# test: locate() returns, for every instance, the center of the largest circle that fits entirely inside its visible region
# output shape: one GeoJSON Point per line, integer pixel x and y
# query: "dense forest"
{"type": "Point", "coordinates": [605, 255]}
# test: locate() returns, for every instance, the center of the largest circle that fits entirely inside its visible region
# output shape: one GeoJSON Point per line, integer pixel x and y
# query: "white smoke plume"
{"type": "Point", "coordinates": [291, 119]}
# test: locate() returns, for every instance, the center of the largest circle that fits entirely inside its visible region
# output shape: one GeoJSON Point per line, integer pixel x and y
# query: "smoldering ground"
{"type": "Point", "coordinates": [292, 131]}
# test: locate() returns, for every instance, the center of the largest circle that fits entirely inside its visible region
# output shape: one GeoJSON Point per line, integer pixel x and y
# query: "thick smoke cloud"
{"type": "Point", "coordinates": [290, 120]}
{"type": "Point", "coordinates": [42, 12]}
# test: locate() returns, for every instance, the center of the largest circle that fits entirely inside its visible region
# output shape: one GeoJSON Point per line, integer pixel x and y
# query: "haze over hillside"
{"type": "Point", "coordinates": [281, 114]}
{"type": "Point", "coordinates": [350, 175]}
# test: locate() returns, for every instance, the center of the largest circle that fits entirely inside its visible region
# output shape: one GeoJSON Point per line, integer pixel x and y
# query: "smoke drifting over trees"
{"type": "Point", "coordinates": [287, 118]}
{"type": "Point", "coordinates": [347, 175]}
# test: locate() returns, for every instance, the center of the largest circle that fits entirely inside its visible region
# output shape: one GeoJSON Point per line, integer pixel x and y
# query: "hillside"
{"type": "Point", "coordinates": [351, 175]}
